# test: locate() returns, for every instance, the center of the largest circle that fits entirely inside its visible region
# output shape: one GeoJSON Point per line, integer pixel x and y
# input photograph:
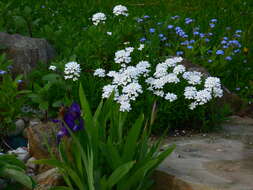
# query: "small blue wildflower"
{"type": "Point", "coordinates": [159, 23]}
{"type": "Point", "coordinates": [146, 16]}
{"type": "Point", "coordinates": [238, 89]}
{"type": "Point", "coordinates": [195, 33]}
{"type": "Point", "coordinates": [237, 50]}
{"type": "Point", "coordinates": [210, 61]}
{"type": "Point", "coordinates": [189, 47]}
{"type": "Point", "coordinates": [188, 20]}
{"type": "Point", "coordinates": [238, 31]}
{"type": "Point", "coordinates": [192, 41]}
{"type": "Point", "coordinates": [225, 38]}
{"type": "Point", "coordinates": [143, 39]}
{"type": "Point", "coordinates": [139, 20]}
{"type": "Point", "coordinates": [225, 47]}
{"type": "Point", "coordinates": [228, 58]}
{"type": "Point", "coordinates": [201, 35]}
{"type": "Point", "coordinates": [209, 51]}
{"type": "Point", "coordinates": [151, 30]}
{"type": "Point", "coordinates": [223, 42]}
{"type": "Point", "coordinates": [2, 72]}
{"type": "Point", "coordinates": [237, 35]}
{"type": "Point", "coordinates": [161, 35]}
{"type": "Point", "coordinates": [219, 52]}
{"type": "Point", "coordinates": [213, 20]}
{"type": "Point", "coordinates": [20, 81]}
{"type": "Point", "coordinates": [170, 26]}
{"type": "Point", "coordinates": [185, 36]}
{"type": "Point", "coordinates": [207, 40]}
{"type": "Point", "coordinates": [175, 17]}
{"type": "Point", "coordinates": [179, 53]}
{"type": "Point", "coordinates": [210, 34]}
{"type": "Point", "coordinates": [185, 43]}
{"type": "Point", "coordinates": [212, 25]}
{"type": "Point", "coordinates": [164, 39]}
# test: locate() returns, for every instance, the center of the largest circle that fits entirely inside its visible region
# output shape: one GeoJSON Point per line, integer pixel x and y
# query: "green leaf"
{"type": "Point", "coordinates": [131, 141]}
{"type": "Point", "coordinates": [52, 77]}
{"type": "Point", "coordinates": [60, 188]}
{"type": "Point", "coordinates": [18, 176]}
{"type": "Point", "coordinates": [119, 173]}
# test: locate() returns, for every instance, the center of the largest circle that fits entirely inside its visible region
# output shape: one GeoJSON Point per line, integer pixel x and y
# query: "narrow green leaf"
{"type": "Point", "coordinates": [119, 173]}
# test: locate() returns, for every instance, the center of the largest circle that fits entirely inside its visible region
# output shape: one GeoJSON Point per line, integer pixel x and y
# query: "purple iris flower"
{"type": "Point", "coordinates": [72, 118]}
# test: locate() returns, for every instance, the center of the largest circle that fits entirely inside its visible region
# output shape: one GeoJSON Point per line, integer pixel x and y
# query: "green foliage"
{"type": "Point", "coordinates": [13, 169]}
{"type": "Point", "coordinates": [11, 98]}
{"type": "Point", "coordinates": [106, 155]}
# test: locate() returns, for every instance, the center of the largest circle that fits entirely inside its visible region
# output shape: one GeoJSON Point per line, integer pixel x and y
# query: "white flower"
{"type": "Point", "coordinates": [109, 33]}
{"type": "Point", "coordinates": [98, 17]}
{"type": "Point", "coordinates": [126, 43]}
{"type": "Point", "coordinates": [141, 47]}
{"type": "Point", "coordinates": [108, 89]}
{"type": "Point", "coordinates": [99, 72]}
{"type": "Point", "coordinates": [143, 67]}
{"type": "Point", "coordinates": [72, 71]}
{"type": "Point", "coordinates": [190, 92]}
{"type": "Point", "coordinates": [214, 85]}
{"type": "Point", "coordinates": [52, 67]}
{"type": "Point", "coordinates": [192, 106]}
{"type": "Point", "coordinates": [120, 10]}
{"type": "Point", "coordinates": [171, 97]}
{"type": "Point", "coordinates": [203, 96]}
{"type": "Point", "coordinates": [123, 56]}
{"type": "Point", "coordinates": [192, 77]}
{"type": "Point", "coordinates": [132, 90]}
{"type": "Point", "coordinates": [159, 93]}
{"type": "Point", "coordinates": [179, 69]}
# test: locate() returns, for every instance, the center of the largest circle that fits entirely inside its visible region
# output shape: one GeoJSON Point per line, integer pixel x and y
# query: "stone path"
{"type": "Point", "coordinates": [222, 161]}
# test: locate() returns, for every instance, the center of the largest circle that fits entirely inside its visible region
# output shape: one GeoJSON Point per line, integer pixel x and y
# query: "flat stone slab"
{"type": "Point", "coordinates": [221, 161]}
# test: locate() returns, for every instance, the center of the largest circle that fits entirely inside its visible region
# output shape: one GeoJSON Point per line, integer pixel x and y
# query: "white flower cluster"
{"type": "Point", "coordinates": [125, 82]}
{"type": "Point", "coordinates": [52, 68]}
{"type": "Point", "coordinates": [123, 56]}
{"type": "Point", "coordinates": [120, 10]}
{"type": "Point", "coordinates": [72, 71]}
{"type": "Point", "coordinates": [98, 17]}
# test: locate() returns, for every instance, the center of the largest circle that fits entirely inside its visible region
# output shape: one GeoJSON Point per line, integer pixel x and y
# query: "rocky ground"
{"type": "Point", "coordinates": [220, 161]}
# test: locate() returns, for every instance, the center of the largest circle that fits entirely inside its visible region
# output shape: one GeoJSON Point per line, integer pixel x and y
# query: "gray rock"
{"type": "Point", "coordinates": [21, 153]}
{"type": "Point", "coordinates": [20, 126]}
{"type": "Point", "coordinates": [25, 52]}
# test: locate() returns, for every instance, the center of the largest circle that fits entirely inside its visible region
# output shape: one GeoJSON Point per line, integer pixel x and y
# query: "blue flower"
{"type": "Point", "coordinates": [195, 33]}
{"type": "Point", "coordinates": [189, 47]}
{"type": "Point", "coordinates": [219, 52]}
{"type": "Point", "coordinates": [146, 16]}
{"type": "Point", "coordinates": [175, 17]}
{"type": "Point", "coordinates": [20, 81]}
{"type": "Point", "coordinates": [228, 58]}
{"type": "Point", "coordinates": [179, 53]}
{"type": "Point", "coordinates": [143, 39]}
{"type": "Point", "coordinates": [237, 35]}
{"type": "Point", "coordinates": [201, 35]}
{"type": "Point", "coordinates": [186, 42]}
{"type": "Point", "coordinates": [139, 20]}
{"type": "Point", "coordinates": [238, 31]}
{"type": "Point", "coordinates": [212, 25]}
{"type": "Point", "coordinates": [188, 20]}
{"type": "Point", "coordinates": [213, 20]}
{"type": "Point", "coordinates": [2, 72]}
{"type": "Point", "coordinates": [151, 30]}
{"type": "Point", "coordinates": [192, 41]}
{"type": "Point", "coordinates": [164, 39]}
{"type": "Point", "coordinates": [209, 51]}
{"type": "Point", "coordinates": [161, 35]}
{"type": "Point", "coordinates": [210, 61]}
{"type": "Point", "coordinates": [210, 33]}
{"type": "Point", "coordinates": [225, 38]}
{"type": "Point", "coordinates": [237, 50]}
{"type": "Point", "coordinates": [170, 26]}
{"type": "Point", "coordinates": [225, 47]}
{"type": "Point", "coordinates": [207, 40]}
{"type": "Point", "coordinates": [223, 42]}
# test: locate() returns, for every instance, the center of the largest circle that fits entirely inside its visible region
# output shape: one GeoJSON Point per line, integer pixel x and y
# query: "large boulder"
{"type": "Point", "coordinates": [25, 52]}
